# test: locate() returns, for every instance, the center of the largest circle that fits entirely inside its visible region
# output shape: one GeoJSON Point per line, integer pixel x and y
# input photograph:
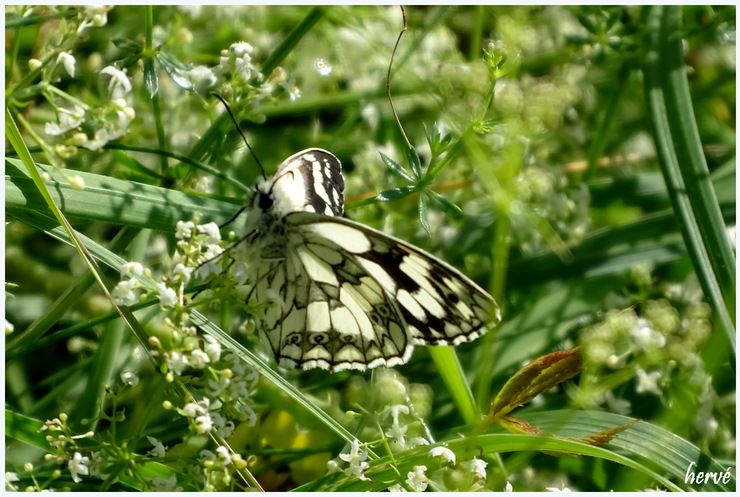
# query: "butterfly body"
{"type": "Point", "coordinates": [347, 296]}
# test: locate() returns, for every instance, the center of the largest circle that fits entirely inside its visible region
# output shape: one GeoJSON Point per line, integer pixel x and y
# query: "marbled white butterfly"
{"type": "Point", "coordinates": [347, 296]}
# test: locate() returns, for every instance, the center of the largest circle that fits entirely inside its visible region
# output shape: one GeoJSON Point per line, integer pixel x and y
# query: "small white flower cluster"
{"type": "Point", "coordinates": [230, 381]}
{"type": "Point", "coordinates": [112, 120]}
{"type": "Point", "coordinates": [159, 484]}
{"type": "Point", "coordinates": [67, 448]}
{"type": "Point", "coordinates": [237, 71]}
{"type": "Point", "coordinates": [397, 432]}
{"type": "Point", "coordinates": [93, 15]}
{"type": "Point", "coordinates": [218, 467]}
{"type": "Point", "coordinates": [201, 249]}
{"type": "Point", "coordinates": [661, 345]}
{"type": "Point", "coordinates": [237, 60]}
{"type": "Point", "coordinates": [356, 461]}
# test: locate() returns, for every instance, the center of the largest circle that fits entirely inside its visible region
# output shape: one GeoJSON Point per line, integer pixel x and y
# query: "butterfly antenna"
{"type": "Point", "coordinates": [223, 101]}
{"type": "Point", "coordinates": [388, 77]}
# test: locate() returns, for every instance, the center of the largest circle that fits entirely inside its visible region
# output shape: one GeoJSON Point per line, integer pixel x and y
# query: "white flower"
{"type": "Point", "coordinates": [125, 115]}
{"type": "Point", "coordinates": [617, 405]}
{"type": "Point", "coordinates": [224, 454]}
{"type": "Point", "coordinates": [68, 119]}
{"type": "Point", "coordinates": [398, 432]}
{"type": "Point", "coordinates": [78, 465]}
{"type": "Point", "coordinates": [8, 327]}
{"type": "Point", "coordinates": [34, 64]}
{"type": "Point", "coordinates": [11, 478]}
{"type": "Point", "coordinates": [132, 269]}
{"type": "Point", "coordinates": [241, 48]}
{"type": "Point", "coordinates": [645, 337]}
{"type": "Point", "coordinates": [216, 388]}
{"type": "Point", "coordinates": [206, 269]}
{"type": "Point", "coordinates": [323, 67]}
{"type": "Point", "coordinates": [395, 409]}
{"type": "Point", "coordinates": [177, 362]}
{"type": "Point", "coordinates": [130, 378]}
{"type": "Point", "coordinates": [193, 409]}
{"type": "Point", "coordinates": [182, 273]}
{"type": "Point", "coordinates": [68, 62]}
{"type": "Point", "coordinates": [213, 234]}
{"type": "Point", "coordinates": [164, 485]}
{"type": "Point", "coordinates": [199, 359]}
{"type": "Point", "coordinates": [477, 467]}
{"type": "Point", "coordinates": [203, 424]}
{"type": "Point", "coordinates": [212, 348]}
{"type": "Point", "coordinates": [223, 427]}
{"type": "Point", "coordinates": [202, 78]}
{"type": "Point", "coordinates": [294, 93]}
{"type": "Point", "coordinates": [159, 449]}
{"type": "Point", "coordinates": [648, 382]}
{"type": "Point", "coordinates": [184, 230]}
{"type": "Point", "coordinates": [167, 296]}
{"type": "Point", "coordinates": [444, 452]}
{"type": "Point", "coordinates": [509, 487]}
{"type": "Point", "coordinates": [418, 478]}
{"type": "Point", "coordinates": [416, 442]}
{"type": "Point", "coordinates": [125, 292]}
{"type": "Point", "coordinates": [119, 83]}
{"type": "Point", "coordinates": [356, 460]}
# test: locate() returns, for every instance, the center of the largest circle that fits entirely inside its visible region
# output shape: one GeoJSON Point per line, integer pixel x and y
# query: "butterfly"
{"type": "Point", "coordinates": [344, 295]}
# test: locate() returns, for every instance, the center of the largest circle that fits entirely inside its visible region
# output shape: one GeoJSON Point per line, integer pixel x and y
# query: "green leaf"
{"type": "Point", "coordinates": [112, 200]}
{"type": "Point", "coordinates": [444, 205]}
{"type": "Point", "coordinates": [396, 168]}
{"type": "Point", "coordinates": [395, 193]}
{"type": "Point", "coordinates": [175, 69]}
{"type": "Point", "coordinates": [128, 44]}
{"type": "Point", "coordinates": [685, 170]}
{"type": "Point", "coordinates": [424, 214]}
{"type": "Point", "coordinates": [414, 161]}
{"type": "Point", "coordinates": [139, 172]}
{"type": "Point", "coordinates": [150, 77]}
{"type": "Point", "coordinates": [448, 365]}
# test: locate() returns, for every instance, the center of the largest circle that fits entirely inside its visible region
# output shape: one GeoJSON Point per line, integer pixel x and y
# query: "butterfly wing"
{"type": "Point", "coordinates": [352, 297]}
{"type": "Point", "coordinates": [346, 296]}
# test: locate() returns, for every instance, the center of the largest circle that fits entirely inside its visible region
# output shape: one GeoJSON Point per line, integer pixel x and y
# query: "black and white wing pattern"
{"type": "Point", "coordinates": [346, 296]}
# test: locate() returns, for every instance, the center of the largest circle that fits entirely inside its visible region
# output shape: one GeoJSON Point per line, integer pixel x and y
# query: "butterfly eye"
{"type": "Point", "coordinates": [265, 200]}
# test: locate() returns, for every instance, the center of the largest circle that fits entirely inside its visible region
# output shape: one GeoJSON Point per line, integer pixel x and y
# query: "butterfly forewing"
{"type": "Point", "coordinates": [346, 296]}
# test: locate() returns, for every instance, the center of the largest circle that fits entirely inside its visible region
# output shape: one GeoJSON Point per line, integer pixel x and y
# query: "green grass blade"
{"type": "Point", "coordinates": [453, 375]}
{"type": "Point", "coordinates": [684, 167]}
{"type": "Point", "coordinates": [113, 200]}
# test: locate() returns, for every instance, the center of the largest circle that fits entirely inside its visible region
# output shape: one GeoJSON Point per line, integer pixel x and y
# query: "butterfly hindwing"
{"type": "Point", "coordinates": [439, 305]}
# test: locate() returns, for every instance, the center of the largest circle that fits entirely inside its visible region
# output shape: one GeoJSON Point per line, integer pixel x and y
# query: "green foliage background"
{"type": "Point", "coordinates": [584, 175]}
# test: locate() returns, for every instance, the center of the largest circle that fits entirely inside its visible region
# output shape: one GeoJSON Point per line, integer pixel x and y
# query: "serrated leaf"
{"type": "Point", "coordinates": [536, 377]}
{"type": "Point", "coordinates": [175, 69]}
{"type": "Point", "coordinates": [128, 44]}
{"type": "Point", "coordinates": [395, 193]}
{"type": "Point", "coordinates": [150, 77]}
{"type": "Point", "coordinates": [414, 161]}
{"type": "Point", "coordinates": [424, 214]}
{"type": "Point", "coordinates": [396, 168]}
{"type": "Point", "coordinates": [444, 205]}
